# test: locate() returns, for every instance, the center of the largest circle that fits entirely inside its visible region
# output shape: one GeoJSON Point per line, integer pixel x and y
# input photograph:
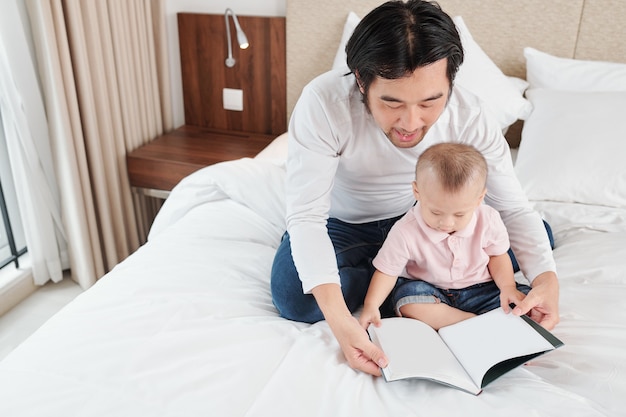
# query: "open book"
{"type": "Point", "coordinates": [467, 355]}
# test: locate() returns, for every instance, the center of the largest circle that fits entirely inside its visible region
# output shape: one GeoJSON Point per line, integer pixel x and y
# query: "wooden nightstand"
{"type": "Point", "coordinates": [155, 168]}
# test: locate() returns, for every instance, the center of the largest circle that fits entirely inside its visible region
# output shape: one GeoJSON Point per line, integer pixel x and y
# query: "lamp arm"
{"type": "Point", "coordinates": [230, 61]}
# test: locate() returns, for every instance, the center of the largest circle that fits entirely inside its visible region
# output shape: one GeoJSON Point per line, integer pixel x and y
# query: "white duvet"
{"type": "Point", "coordinates": [186, 326]}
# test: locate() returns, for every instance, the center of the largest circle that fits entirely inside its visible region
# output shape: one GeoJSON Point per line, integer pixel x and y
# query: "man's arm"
{"type": "Point", "coordinates": [359, 351]}
{"type": "Point", "coordinates": [527, 233]}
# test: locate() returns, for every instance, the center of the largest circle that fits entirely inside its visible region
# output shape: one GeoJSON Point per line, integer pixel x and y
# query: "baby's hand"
{"type": "Point", "coordinates": [510, 295]}
{"type": "Point", "coordinates": [370, 315]}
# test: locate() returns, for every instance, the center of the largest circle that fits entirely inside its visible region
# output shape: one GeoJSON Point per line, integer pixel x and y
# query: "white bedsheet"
{"type": "Point", "coordinates": [186, 327]}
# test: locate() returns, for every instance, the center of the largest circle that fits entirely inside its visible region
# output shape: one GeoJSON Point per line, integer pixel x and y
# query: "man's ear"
{"type": "Point", "coordinates": [358, 81]}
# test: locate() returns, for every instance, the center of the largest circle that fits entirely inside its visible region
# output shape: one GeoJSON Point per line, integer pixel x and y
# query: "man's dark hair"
{"type": "Point", "coordinates": [398, 37]}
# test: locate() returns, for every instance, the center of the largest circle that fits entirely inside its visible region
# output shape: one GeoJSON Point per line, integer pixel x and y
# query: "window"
{"type": "Point", "coordinates": [12, 240]}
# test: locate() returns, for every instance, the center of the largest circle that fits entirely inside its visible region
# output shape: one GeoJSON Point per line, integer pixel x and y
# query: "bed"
{"type": "Point", "coordinates": [186, 327]}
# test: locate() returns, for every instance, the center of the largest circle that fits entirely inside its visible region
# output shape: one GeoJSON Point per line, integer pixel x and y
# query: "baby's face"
{"type": "Point", "coordinates": [446, 211]}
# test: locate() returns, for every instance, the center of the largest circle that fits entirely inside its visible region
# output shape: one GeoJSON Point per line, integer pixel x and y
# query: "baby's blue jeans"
{"type": "Point", "coordinates": [477, 298]}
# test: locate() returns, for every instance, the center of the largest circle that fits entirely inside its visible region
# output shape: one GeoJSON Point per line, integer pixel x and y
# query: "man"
{"type": "Point", "coordinates": [353, 143]}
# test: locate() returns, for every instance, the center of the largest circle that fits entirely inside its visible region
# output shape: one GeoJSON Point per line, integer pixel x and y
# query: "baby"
{"type": "Point", "coordinates": [449, 250]}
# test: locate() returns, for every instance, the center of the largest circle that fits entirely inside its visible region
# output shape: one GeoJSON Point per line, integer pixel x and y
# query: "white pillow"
{"type": "Point", "coordinates": [520, 84]}
{"type": "Point", "coordinates": [481, 76]}
{"type": "Point", "coordinates": [502, 96]}
{"type": "Point", "coordinates": [340, 57]}
{"type": "Point", "coordinates": [276, 150]}
{"type": "Point", "coordinates": [573, 148]}
{"type": "Point", "coordinates": [547, 71]}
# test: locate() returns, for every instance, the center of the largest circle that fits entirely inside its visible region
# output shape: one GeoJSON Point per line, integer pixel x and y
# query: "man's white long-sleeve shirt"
{"type": "Point", "coordinates": [340, 164]}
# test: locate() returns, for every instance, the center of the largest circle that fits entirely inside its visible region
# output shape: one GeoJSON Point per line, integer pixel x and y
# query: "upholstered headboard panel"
{"type": "Point", "coordinates": [584, 29]}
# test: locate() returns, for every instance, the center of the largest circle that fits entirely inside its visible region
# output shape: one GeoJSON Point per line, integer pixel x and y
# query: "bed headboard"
{"type": "Point", "coordinates": [583, 29]}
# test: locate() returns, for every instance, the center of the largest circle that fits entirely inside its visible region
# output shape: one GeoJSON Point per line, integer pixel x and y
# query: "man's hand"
{"type": "Point", "coordinates": [359, 351]}
{"type": "Point", "coordinates": [542, 301]}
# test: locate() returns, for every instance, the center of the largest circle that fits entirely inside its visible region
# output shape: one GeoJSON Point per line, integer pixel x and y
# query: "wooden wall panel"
{"type": "Point", "coordinates": [260, 71]}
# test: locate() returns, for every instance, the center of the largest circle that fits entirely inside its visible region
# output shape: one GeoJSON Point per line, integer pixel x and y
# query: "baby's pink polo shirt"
{"type": "Point", "coordinates": [415, 250]}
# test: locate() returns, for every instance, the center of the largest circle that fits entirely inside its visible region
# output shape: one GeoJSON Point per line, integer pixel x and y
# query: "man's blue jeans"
{"type": "Point", "coordinates": [355, 247]}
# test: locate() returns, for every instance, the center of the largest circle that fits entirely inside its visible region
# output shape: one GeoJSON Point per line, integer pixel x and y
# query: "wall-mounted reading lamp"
{"type": "Point", "coordinates": [241, 37]}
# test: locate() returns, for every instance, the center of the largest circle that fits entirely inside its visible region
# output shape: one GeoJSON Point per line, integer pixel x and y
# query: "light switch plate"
{"type": "Point", "coordinates": [233, 99]}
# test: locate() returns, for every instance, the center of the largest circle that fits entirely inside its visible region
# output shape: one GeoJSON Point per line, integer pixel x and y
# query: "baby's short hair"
{"type": "Point", "coordinates": [454, 164]}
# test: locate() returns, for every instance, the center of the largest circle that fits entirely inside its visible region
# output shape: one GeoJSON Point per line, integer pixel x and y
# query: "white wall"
{"type": "Point", "coordinates": [240, 7]}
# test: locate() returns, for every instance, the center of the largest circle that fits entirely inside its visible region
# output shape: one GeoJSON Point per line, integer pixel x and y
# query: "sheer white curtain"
{"type": "Point", "coordinates": [26, 131]}
{"type": "Point", "coordinates": [103, 70]}
{"type": "Point", "coordinates": [104, 73]}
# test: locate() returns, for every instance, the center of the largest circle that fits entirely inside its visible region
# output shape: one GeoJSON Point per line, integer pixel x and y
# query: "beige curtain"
{"type": "Point", "coordinates": [104, 72]}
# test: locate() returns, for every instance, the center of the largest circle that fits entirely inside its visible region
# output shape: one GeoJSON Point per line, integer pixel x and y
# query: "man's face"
{"type": "Point", "coordinates": [407, 107]}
